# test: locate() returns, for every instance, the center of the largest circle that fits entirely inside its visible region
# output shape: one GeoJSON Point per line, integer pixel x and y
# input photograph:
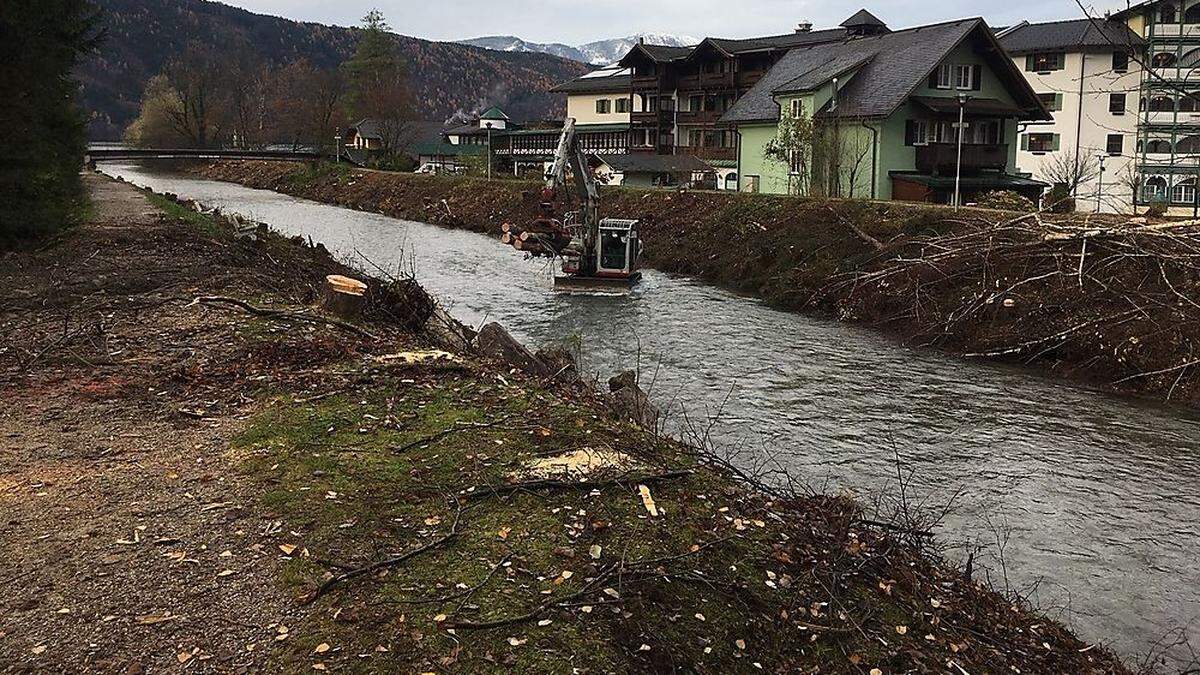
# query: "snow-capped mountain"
{"type": "Point", "coordinates": [599, 53]}
{"type": "Point", "coordinates": [604, 52]}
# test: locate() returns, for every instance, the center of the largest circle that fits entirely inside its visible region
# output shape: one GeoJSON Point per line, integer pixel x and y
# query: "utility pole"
{"type": "Point", "coordinates": [337, 146]}
{"type": "Point", "coordinates": [961, 126]}
{"type": "Point", "coordinates": [1100, 187]}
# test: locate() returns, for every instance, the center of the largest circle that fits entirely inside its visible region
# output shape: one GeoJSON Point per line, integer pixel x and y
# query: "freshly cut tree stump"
{"type": "Point", "coordinates": [344, 297]}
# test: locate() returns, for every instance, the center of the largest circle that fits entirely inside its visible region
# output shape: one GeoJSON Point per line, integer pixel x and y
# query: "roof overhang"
{"type": "Point", "coordinates": [947, 105]}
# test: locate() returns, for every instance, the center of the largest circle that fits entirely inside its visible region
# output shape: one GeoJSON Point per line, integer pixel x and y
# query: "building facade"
{"type": "Point", "coordinates": [1168, 150]}
{"type": "Point", "coordinates": [884, 108]}
{"type": "Point", "coordinates": [1088, 74]}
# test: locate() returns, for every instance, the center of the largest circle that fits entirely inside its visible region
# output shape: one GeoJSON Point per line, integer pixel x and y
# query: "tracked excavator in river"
{"type": "Point", "coordinates": [599, 255]}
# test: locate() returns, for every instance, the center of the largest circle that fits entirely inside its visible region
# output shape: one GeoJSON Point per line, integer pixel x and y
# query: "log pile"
{"type": "Point", "coordinates": [539, 238]}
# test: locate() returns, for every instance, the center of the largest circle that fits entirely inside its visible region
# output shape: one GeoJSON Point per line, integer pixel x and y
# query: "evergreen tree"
{"type": "Point", "coordinates": [41, 128]}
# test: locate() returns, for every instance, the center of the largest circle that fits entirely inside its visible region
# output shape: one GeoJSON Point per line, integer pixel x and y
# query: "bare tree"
{"type": "Point", "coordinates": [1071, 169]}
{"type": "Point", "coordinates": [792, 149]}
{"type": "Point", "coordinates": [195, 80]}
{"type": "Point", "coordinates": [308, 104]}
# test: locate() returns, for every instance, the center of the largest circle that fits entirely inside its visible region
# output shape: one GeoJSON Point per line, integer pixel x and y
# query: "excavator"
{"type": "Point", "coordinates": [599, 255]}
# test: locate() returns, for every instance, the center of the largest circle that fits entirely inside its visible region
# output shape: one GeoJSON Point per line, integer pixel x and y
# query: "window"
{"type": "Point", "coordinates": [1188, 145]}
{"type": "Point", "coordinates": [1158, 147]}
{"type": "Point", "coordinates": [1184, 192]}
{"type": "Point", "coordinates": [1162, 104]}
{"type": "Point", "coordinates": [943, 77]}
{"type": "Point", "coordinates": [1045, 62]}
{"type": "Point", "coordinates": [1154, 189]}
{"type": "Point", "coordinates": [983, 132]}
{"type": "Point", "coordinates": [603, 105]}
{"type": "Point", "coordinates": [1116, 144]}
{"type": "Point", "coordinates": [1053, 102]}
{"type": "Point", "coordinates": [1120, 62]}
{"type": "Point", "coordinates": [797, 108]}
{"type": "Point", "coordinates": [622, 105]}
{"type": "Point", "coordinates": [1166, 14]}
{"type": "Point", "coordinates": [1192, 15]}
{"type": "Point", "coordinates": [695, 103]}
{"type": "Point", "coordinates": [693, 138]}
{"type": "Point", "coordinates": [916, 132]}
{"type": "Point", "coordinates": [1116, 103]}
{"type": "Point", "coordinates": [1041, 142]}
{"type": "Point", "coordinates": [964, 77]}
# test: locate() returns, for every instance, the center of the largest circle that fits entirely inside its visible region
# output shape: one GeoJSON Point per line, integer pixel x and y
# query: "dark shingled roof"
{"type": "Point", "coordinates": [862, 18]}
{"type": "Point", "coordinates": [648, 163]}
{"type": "Point", "coordinates": [595, 85]}
{"type": "Point", "coordinates": [1024, 38]}
{"type": "Point", "coordinates": [785, 41]}
{"type": "Point", "coordinates": [894, 64]}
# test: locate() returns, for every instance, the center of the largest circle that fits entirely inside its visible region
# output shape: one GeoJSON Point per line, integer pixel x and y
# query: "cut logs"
{"type": "Point", "coordinates": [541, 237]}
{"type": "Point", "coordinates": [343, 296]}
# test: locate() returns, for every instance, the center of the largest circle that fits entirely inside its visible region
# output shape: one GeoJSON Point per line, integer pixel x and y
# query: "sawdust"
{"type": "Point", "coordinates": [579, 464]}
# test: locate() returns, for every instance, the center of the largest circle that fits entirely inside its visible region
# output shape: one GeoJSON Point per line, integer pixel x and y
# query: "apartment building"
{"type": "Point", "coordinates": [1088, 74]}
{"type": "Point", "coordinates": [1168, 150]}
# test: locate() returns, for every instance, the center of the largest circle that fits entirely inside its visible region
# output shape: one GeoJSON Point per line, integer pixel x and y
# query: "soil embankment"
{"type": "Point", "coordinates": [201, 471]}
{"type": "Point", "coordinates": [1080, 296]}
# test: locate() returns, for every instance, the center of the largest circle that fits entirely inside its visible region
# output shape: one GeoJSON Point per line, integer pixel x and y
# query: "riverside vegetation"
{"type": "Point", "coordinates": [1104, 299]}
{"type": "Point", "coordinates": [203, 470]}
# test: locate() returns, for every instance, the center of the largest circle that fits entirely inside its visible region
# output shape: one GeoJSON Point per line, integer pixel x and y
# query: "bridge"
{"type": "Point", "coordinates": [117, 154]}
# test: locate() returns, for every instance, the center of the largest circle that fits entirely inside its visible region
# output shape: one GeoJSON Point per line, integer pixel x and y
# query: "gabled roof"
{"type": "Point", "coordinates": [652, 163]}
{"type": "Point", "coordinates": [863, 18]}
{"type": "Point", "coordinates": [732, 47]}
{"type": "Point", "coordinates": [1073, 35]}
{"type": "Point", "coordinates": [600, 81]}
{"type": "Point", "coordinates": [893, 66]}
{"type": "Point", "coordinates": [493, 113]}
{"type": "Point", "coordinates": [656, 53]}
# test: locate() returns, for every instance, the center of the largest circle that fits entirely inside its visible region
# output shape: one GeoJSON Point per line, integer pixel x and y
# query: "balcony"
{"type": "Point", "coordinates": [707, 82]}
{"type": "Point", "coordinates": [699, 116]}
{"type": "Point", "coordinates": [941, 158]}
{"type": "Point", "coordinates": [707, 152]}
{"type": "Point", "coordinates": [664, 118]}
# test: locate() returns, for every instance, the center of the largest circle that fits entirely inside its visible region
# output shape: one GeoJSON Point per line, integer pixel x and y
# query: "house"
{"type": "Point", "coordinates": [364, 135]}
{"type": "Point", "coordinates": [1087, 73]}
{"type": "Point", "coordinates": [1168, 146]}
{"type": "Point", "coordinates": [884, 107]}
{"type": "Point", "coordinates": [653, 170]}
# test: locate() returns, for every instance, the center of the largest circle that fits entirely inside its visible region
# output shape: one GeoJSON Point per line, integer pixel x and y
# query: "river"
{"type": "Point", "coordinates": [1096, 496]}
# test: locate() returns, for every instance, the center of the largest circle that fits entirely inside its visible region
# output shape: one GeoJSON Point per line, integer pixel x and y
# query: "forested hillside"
{"type": "Point", "coordinates": [445, 77]}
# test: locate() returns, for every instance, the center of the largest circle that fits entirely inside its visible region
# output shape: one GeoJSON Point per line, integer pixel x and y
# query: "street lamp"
{"type": "Point", "coordinates": [488, 126]}
{"type": "Point", "coordinates": [961, 125]}
{"type": "Point", "coordinates": [337, 146]}
{"type": "Point", "coordinates": [1102, 156]}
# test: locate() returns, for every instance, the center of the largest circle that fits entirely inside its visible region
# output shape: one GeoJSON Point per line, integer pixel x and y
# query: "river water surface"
{"type": "Point", "coordinates": [1097, 497]}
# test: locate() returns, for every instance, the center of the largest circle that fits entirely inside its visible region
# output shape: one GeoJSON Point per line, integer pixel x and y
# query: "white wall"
{"type": "Point", "coordinates": [583, 108]}
{"type": "Point", "coordinates": [1085, 122]}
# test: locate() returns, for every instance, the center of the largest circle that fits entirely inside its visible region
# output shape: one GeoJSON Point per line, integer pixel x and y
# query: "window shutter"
{"type": "Point", "coordinates": [1029, 65]}
{"type": "Point", "coordinates": [1058, 101]}
{"type": "Point", "coordinates": [910, 132]}
{"type": "Point", "coordinates": [933, 78]}
{"type": "Point", "coordinates": [1025, 142]}
{"type": "Point", "coordinates": [1057, 142]}
{"type": "Point", "coordinates": [976, 77]}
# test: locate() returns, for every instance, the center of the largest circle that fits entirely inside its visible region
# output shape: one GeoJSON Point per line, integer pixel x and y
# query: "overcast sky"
{"type": "Point", "coordinates": [578, 21]}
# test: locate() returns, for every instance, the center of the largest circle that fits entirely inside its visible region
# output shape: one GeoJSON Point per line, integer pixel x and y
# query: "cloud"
{"type": "Point", "coordinates": [575, 22]}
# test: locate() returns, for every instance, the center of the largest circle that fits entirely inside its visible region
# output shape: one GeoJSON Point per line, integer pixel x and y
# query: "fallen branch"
{"type": "Point", "coordinates": [386, 563]}
{"type": "Point", "coordinates": [283, 314]}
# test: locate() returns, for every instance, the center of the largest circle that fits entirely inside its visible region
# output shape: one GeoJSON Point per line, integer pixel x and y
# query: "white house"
{"type": "Point", "coordinates": [1084, 72]}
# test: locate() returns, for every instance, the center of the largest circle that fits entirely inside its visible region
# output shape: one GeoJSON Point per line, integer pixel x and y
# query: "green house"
{"type": "Point", "coordinates": [881, 109]}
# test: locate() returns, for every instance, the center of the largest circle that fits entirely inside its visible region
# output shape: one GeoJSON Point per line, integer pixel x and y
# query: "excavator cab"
{"type": "Point", "coordinates": [620, 248]}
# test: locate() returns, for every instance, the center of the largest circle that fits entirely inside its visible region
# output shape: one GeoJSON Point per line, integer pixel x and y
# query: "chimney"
{"type": "Point", "coordinates": [641, 40]}
{"type": "Point", "coordinates": [804, 27]}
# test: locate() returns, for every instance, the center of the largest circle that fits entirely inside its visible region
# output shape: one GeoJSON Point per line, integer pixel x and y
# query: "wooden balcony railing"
{"type": "Point", "coordinates": [707, 152]}
{"type": "Point", "coordinates": [941, 158]}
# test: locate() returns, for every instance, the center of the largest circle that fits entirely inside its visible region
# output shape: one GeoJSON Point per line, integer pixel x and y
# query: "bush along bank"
{"type": "Point", "coordinates": [293, 492]}
{"type": "Point", "coordinates": [1103, 299]}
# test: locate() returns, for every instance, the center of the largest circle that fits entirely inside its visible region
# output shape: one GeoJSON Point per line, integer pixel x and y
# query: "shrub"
{"type": "Point", "coordinates": [1059, 200]}
{"type": "Point", "coordinates": [1005, 200]}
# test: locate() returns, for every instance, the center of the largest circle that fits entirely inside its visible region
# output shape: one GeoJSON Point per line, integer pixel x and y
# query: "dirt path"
{"type": "Point", "coordinates": [128, 539]}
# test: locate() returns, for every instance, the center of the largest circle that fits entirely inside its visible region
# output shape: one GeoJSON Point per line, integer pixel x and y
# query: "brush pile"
{"type": "Point", "coordinates": [1121, 298]}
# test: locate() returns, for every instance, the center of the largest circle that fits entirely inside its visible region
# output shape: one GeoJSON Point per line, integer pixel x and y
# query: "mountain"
{"type": "Point", "coordinates": [509, 43]}
{"type": "Point", "coordinates": [598, 53]}
{"type": "Point", "coordinates": [447, 78]}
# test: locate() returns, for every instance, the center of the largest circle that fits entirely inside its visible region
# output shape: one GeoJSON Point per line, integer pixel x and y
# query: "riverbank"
{"type": "Point", "coordinates": [1077, 296]}
{"type": "Point", "coordinates": [192, 482]}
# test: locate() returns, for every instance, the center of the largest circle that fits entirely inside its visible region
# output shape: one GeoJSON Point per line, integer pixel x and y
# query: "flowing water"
{"type": "Point", "coordinates": [1095, 497]}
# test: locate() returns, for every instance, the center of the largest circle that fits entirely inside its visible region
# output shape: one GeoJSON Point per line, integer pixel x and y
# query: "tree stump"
{"type": "Point", "coordinates": [344, 297]}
